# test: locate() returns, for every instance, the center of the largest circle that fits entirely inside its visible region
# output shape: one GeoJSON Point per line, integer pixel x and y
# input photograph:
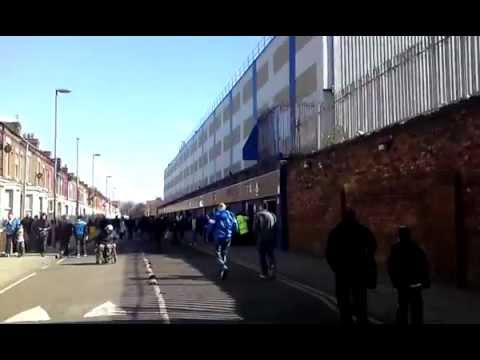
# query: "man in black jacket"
{"type": "Point", "coordinates": [351, 255]}
{"type": "Point", "coordinates": [408, 268]}
{"type": "Point", "coordinates": [43, 228]}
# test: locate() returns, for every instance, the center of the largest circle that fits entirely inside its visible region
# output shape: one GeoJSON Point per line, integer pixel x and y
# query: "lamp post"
{"type": "Point", "coordinates": [114, 190]}
{"type": "Point", "coordinates": [24, 187]}
{"type": "Point", "coordinates": [106, 193]}
{"type": "Point", "coordinates": [57, 91]}
{"type": "Point", "coordinates": [78, 191]}
{"type": "Point", "coordinates": [93, 180]}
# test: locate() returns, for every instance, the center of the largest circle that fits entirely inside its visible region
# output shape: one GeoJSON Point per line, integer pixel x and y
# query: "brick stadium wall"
{"type": "Point", "coordinates": [428, 179]}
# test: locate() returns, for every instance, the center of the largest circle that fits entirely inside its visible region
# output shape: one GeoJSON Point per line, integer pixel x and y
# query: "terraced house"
{"type": "Point", "coordinates": [26, 169]}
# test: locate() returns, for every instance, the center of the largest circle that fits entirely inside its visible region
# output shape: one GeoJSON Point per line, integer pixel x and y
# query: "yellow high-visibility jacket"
{"type": "Point", "coordinates": [242, 221]}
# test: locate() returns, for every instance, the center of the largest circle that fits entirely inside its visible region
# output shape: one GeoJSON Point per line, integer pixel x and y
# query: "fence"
{"type": "Point", "coordinates": [278, 134]}
{"type": "Point", "coordinates": [382, 80]}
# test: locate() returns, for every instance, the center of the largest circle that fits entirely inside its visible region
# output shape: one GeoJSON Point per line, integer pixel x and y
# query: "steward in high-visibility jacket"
{"type": "Point", "coordinates": [242, 221]}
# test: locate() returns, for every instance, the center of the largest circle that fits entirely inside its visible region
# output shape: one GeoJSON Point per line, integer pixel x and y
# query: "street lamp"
{"type": "Point", "coordinates": [78, 192]}
{"type": "Point", "coordinates": [93, 180]}
{"type": "Point", "coordinates": [57, 91]}
{"type": "Point", "coordinates": [106, 192]}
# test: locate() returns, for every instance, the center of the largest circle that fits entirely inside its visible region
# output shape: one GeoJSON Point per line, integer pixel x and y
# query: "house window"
{"type": "Point", "coordinates": [17, 168]}
{"type": "Point", "coordinates": [41, 205]}
{"type": "Point", "coordinates": [8, 164]}
{"type": "Point", "coordinates": [8, 202]}
{"type": "Point", "coordinates": [29, 205]}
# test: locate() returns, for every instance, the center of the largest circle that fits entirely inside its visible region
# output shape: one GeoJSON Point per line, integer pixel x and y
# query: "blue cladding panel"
{"type": "Point", "coordinates": [250, 149]}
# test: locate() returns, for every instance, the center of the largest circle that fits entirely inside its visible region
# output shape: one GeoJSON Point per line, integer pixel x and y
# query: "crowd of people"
{"type": "Point", "coordinates": [350, 253]}
{"type": "Point", "coordinates": [38, 233]}
{"type": "Point", "coordinates": [350, 250]}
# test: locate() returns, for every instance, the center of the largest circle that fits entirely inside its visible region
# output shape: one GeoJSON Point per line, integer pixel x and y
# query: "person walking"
{"type": "Point", "coordinates": [242, 235]}
{"type": "Point", "coordinates": [350, 253]}
{"type": "Point", "coordinates": [33, 244]}
{"type": "Point", "coordinates": [20, 238]}
{"type": "Point", "coordinates": [80, 231]}
{"type": "Point", "coordinates": [224, 226]}
{"type": "Point", "coordinates": [43, 228]}
{"type": "Point", "coordinates": [194, 230]}
{"type": "Point", "coordinates": [122, 229]}
{"type": "Point", "coordinates": [209, 227]}
{"type": "Point", "coordinates": [66, 233]}
{"type": "Point", "coordinates": [408, 268]}
{"type": "Point", "coordinates": [11, 226]}
{"type": "Point", "coordinates": [264, 227]}
{"type": "Point", "coordinates": [27, 231]}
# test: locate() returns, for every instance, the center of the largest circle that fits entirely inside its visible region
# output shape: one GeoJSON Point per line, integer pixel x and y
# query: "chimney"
{"type": "Point", "coordinates": [16, 127]}
{"type": "Point", "coordinates": [33, 140]}
{"type": "Point", "coordinates": [47, 154]}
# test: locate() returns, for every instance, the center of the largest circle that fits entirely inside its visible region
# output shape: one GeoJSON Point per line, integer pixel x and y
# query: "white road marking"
{"type": "Point", "coordinates": [31, 315]}
{"type": "Point", "coordinates": [327, 299]}
{"type": "Point", "coordinates": [17, 282]}
{"type": "Point", "coordinates": [161, 301]}
{"type": "Point", "coordinates": [106, 309]}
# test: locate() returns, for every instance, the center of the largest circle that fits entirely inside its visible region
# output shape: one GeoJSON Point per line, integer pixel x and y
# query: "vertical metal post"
{"type": "Point", "coordinates": [55, 174]}
{"type": "Point", "coordinates": [77, 208]}
{"type": "Point", "coordinates": [24, 189]}
{"type": "Point", "coordinates": [93, 186]}
{"type": "Point", "coordinates": [106, 191]}
{"type": "Point", "coordinates": [292, 90]}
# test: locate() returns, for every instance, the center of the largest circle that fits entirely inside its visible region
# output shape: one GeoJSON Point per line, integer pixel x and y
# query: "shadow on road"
{"type": "Point", "coordinates": [194, 294]}
{"type": "Point", "coordinates": [250, 298]}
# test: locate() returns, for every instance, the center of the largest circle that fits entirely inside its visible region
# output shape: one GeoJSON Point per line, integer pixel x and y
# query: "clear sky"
{"type": "Point", "coordinates": [134, 99]}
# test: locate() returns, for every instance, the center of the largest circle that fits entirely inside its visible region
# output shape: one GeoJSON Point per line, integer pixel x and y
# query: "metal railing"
{"type": "Point", "coordinates": [275, 130]}
{"type": "Point", "coordinates": [383, 80]}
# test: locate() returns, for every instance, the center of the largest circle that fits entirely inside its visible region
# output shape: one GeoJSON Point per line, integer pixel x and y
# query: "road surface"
{"type": "Point", "coordinates": [179, 285]}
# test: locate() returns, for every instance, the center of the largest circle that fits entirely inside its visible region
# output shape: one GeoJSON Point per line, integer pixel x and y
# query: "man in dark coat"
{"type": "Point", "coordinates": [43, 229]}
{"type": "Point", "coordinates": [65, 233]}
{"type": "Point", "coordinates": [408, 268]}
{"type": "Point", "coordinates": [351, 255]}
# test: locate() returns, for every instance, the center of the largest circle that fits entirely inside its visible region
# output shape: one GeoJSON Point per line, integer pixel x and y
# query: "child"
{"type": "Point", "coordinates": [20, 241]}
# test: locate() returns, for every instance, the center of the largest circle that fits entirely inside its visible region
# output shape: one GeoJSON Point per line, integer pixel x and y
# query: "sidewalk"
{"type": "Point", "coordinates": [444, 304]}
{"type": "Point", "coordinates": [15, 268]}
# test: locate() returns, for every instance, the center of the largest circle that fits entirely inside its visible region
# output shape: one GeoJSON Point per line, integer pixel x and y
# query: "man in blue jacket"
{"type": "Point", "coordinates": [81, 236]}
{"type": "Point", "coordinates": [11, 227]}
{"type": "Point", "coordinates": [224, 227]}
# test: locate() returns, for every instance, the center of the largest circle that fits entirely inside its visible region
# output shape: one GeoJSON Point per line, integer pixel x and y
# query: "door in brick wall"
{"type": "Point", "coordinates": [442, 231]}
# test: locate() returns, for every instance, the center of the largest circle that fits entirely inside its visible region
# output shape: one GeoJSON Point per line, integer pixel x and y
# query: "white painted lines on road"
{"type": "Point", "coordinates": [156, 288]}
{"type": "Point", "coordinates": [17, 282]}
{"type": "Point", "coordinates": [106, 309]}
{"type": "Point", "coordinates": [32, 315]}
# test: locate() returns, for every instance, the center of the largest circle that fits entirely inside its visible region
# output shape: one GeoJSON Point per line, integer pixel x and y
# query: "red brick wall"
{"type": "Point", "coordinates": [413, 183]}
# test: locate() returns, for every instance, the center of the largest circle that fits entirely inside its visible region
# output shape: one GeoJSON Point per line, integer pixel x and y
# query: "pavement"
{"type": "Point", "coordinates": [177, 285]}
{"type": "Point", "coordinates": [14, 268]}
{"type": "Point", "coordinates": [443, 303]}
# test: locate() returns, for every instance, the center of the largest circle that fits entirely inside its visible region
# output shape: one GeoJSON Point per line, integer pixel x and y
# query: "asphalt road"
{"type": "Point", "coordinates": [186, 290]}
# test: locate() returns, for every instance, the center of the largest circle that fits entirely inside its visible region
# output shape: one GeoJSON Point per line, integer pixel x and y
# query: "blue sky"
{"type": "Point", "coordinates": [134, 99]}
